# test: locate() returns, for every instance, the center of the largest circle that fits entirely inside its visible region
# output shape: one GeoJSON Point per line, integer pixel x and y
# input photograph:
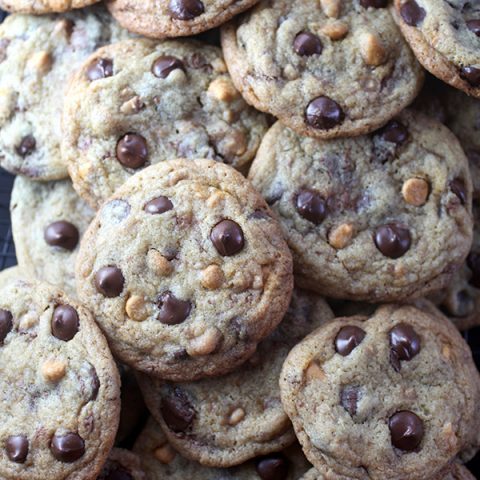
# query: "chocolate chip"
{"type": "Point", "coordinates": [311, 206]}
{"type": "Point", "coordinates": [473, 263]}
{"type": "Point", "coordinates": [412, 13]}
{"type": "Point", "coordinates": [67, 448]}
{"type": "Point", "coordinates": [27, 146]}
{"type": "Point", "coordinates": [374, 3]}
{"type": "Point", "coordinates": [406, 430]}
{"type": "Point", "coordinates": [158, 205]}
{"type": "Point", "coordinates": [65, 322]}
{"type": "Point", "coordinates": [132, 151]}
{"type": "Point", "coordinates": [62, 234]}
{"type": "Point", "coordinates": [172, 310]}
{"type": "Point", "coordinates": [392, 240]}
{"type": "Point", "coordinates": [349, 397]}
{"type": "Point", "coordinates": [471, 75]}
{"type": "Point", "coordinates": [474, 26]}
{"type": "Point", "coordinates": [348, 338]}
{"type": "Point", "coordinates": [272, 467]}
{"type": "Point", "coordinates": [227, 237]}
{"type": "Point", "coordinates": [185, 9]}
{"type": "Point", "coordinates": [109, 281]}
{"type": "Point", "coordinates": [404, 344]}
{"type": "Point", "coordinates": [307, 44]}
{"type": "Point", "coordinates": [94, 383]}
{"type": "Point", "coordinates": [177, 411]}
{"type": "Point", "coordinates": [6, 324]}
{"type": "Point", "coordinates": [163, 66]}
{"type": "Point", "coordinates": [17, 448]}
{"type": "Point", "coordinates": [100, 68]}
{"type": "Point", "coordinates": [394, 132]}
{"type": "Point", "coordinates": [457, 186]}
{"type": "Point", "coordinates": [324, 113]}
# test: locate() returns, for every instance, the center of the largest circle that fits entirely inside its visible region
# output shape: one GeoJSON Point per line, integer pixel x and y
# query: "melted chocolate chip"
{"type": "Point", "coordinates": [27, 146]}
{"type": "Point", "coordinates": [163, 66]}
{"type": "Point", "coordinates": [132, 151]}
{"type": "Point", "coordinates": [272, 467]}
{"type": "Point", "coordinates": [307, 44]}
{"type": "Point", "coordinates": [177, 411]}
{"type": "Point", "coordinates": [471, 75]}
{"type": "Point", "coordinates": [457, 186]}
{"type": "Point", "coordinates": [62, 234]}
{"type": "Point", "coordinates": [324, 113]}
{"type": "Point", "coordinates": [65, 322]}
{"type": "Point", "coordinates": [412, 13]}
{"type": "Point", "coordinates": [17, 448]}
{"type": "Point", "coordinates": [158, 205]}
{"type": "Point", "coordinates": [404, 344]}
{"type": "Point", "coordinates": [67, 448]}
{"type": "Point", "coordinates": [227, 237]}
{"type": "Point", "coordinates": [349, 397]}
{"type": "Point", "coordinates": [100, 68]}
{"type": "Point", "coordinates": [406, 430]}
{"type": "Point", "coordinates": [348, 338]}
{"type": "Point", "coordinates": [392, 240]}
{"type": "Point", "coordinates": [473, 263]}
{"type": "Point", "coordinates": [474, 26]}
{"type": "Point", "coordinates": [394, 132]}
{"type": "Point", "coordinates": [109, 281]}
{"type": "Point", "coordinates": [311, 206]}
{"type": "Point", "coordinates": [373, 3]}
{"type": "Point", "coordinates": [6, 324]}
{"type": "Point", "coordinates": [172, 310]}
{"type": "Point", "coordinates": [185, 9]}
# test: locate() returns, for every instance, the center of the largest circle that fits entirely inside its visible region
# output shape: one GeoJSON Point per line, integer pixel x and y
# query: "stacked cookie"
{"type": "Point", "coordinates": [242, 257]}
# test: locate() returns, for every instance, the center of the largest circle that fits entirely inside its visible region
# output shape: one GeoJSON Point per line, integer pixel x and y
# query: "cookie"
{"type": "Point", "coordinates": [160, 460]}
{"type": "Point", "coordinates": [394, 395]}
{"type": "Point", "coordinates": [38, 7]}
{"type": "Point", "coordinates": [378, 217]}
{"type": "Point", "coordinates": [48, 220]}
{"type": "Point", "coordinates": [37, 55]}
{"type": "Point", "coordinates": [141, 102]}
{"type": "Point", "coordinates": [228, 420]}
{"type": "Point", "coordinates": [325, 69]}
{"type": "Point", "coordinates": [445, 38]}
{"type": "Point", "coordinates": [175, 18]}
{"type": "Point", "coordinates": [8, 275]}
{"type": "Point", "coordinates": [185, 270]}
{"type": "Point", "coordinates": [60, 387]}
{"type": "Point", "coordinates": [122, 465]}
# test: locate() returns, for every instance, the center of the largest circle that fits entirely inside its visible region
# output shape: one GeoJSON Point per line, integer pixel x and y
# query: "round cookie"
{"type": "Point", "coordinates": [140, 102]}
{"type": "Point", "coordinates": [48, 220]}
{"type": "Point", "coordinates": [445, 37]}
{"type": "Point", "coordinates": [225, 421]}
{"type": "Point", "coordinates": [37, 55]}
{"type": "Point", "coordinates": [39, 7]}
{"type": "Point", "coordinates": [394, 395]}
{"type": "Point", "coordinates": [175, 18]}
{"type": "Point", "coordinates": [377, 218]}
{"type": "Point", "coordinates": [122, 465]}
{"type": "Point", "coordinates": [325, 68]}
{"type": "Point", "coordinates": [185, 270]}
{"type": "Point", "coordinates": [59, 384]}
{"type": "Point", "coordinates": [160, 461]}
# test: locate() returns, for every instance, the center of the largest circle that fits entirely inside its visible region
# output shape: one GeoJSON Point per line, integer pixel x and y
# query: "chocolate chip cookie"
{"type": "Point", "coordinates": [225, 421]}
{"type": "Point", "coordinates": [160, 460]}
{"type": "Point", "coordinates": [122, 465]}
{"type": "Point", "coordinates": [38, 7]}
{"type": "Point", "coordinates": [185, 270]}
{"type": "Point", "coordinates": [48, 220]}
{"type": "Point", "coordinates": [394, 395]}
{"type": "Point", "coordinates": [325, 68]}
{"type": "Point", "coordinates": [141, 102]}
{"type": "Point", "coordinates": [37, 55]}
{"type": "Point", "coordinates": [59, 387]}
{"type": "Point", "coordinates": [378, 217]}
{"type": "Point", "coordinates": [175, 18]}
{"type": "Point", "coordinates": [445, 37]}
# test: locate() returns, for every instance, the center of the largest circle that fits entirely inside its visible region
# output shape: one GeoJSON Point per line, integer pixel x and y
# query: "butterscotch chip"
{"type": "Point", "coordinates": [315, 372]}
{"type": "Point", "coordinates": [212, 277]}
{"type": "Point", "coordinates": [335, 30]}
{"type": "Point", "coordinates": [415, 191]}
{"type": "Point", "coordinates": [205, 343]}
{"type": "Point", "coordinates": [331, 8]}
{"type": "Point", "coordinates": [136, 308]}
{"type": "Point", "coordinates": [158, 263]}
{"type": "Point", "coordinates": [54, 370]}
{"type": "Point", "coordinates": [341, 236]}
{"type": "Point", "coordinates": [134, 105]}
{"type": "Point", "coordinates": [236, 416]}
{"type": "Point", "coordinates": [223, 89]}
{"type": "Point", "coordinates": [165, 453]}
{"type": "Point", "coordinates": [372, 49]}
{"type": "Point", "coordinates": [40, 62]}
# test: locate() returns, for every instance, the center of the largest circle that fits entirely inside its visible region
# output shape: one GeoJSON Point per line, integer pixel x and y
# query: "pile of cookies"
{"type": "Point", "coordinates": [267, 237]}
